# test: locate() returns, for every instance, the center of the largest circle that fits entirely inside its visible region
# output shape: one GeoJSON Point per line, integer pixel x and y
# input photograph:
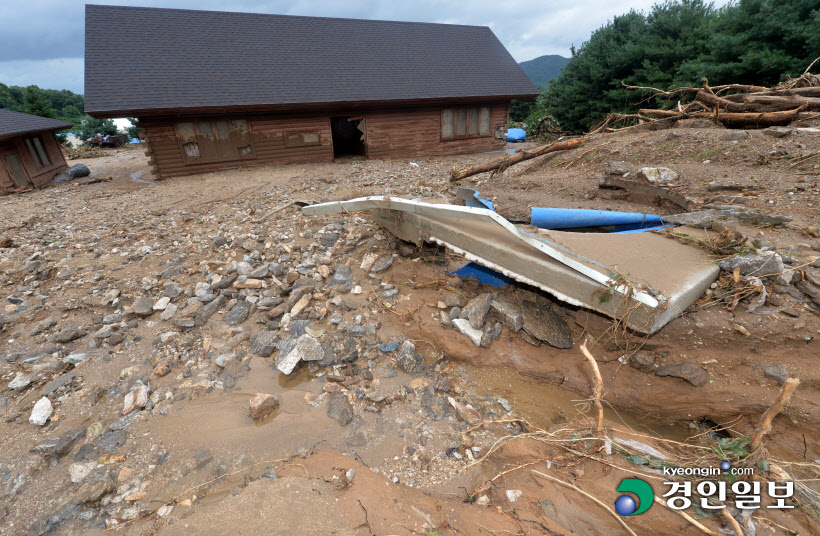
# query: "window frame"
{"type": "Point", "coordinates": [301, 134]}
{"type": "Point", "coordinates": [234, 137]}
{"type": "Point", "coordinates": [468, 111]}
{"type": "Point", "coordinates": [37, 151]}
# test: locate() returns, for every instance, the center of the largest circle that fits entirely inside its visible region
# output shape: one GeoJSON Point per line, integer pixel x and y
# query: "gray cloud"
{"type": "Point", "coordinates": [41, 41]}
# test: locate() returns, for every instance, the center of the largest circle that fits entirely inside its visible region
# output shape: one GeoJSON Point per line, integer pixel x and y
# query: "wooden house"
{"type": "Point", "coordinates": [216, 90]}
{"type": "Point", "coordinates": [29, 153]}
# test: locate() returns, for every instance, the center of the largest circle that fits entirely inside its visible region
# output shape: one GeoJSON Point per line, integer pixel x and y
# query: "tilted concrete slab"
{"type": "Point", "coordinates": [644, 279]}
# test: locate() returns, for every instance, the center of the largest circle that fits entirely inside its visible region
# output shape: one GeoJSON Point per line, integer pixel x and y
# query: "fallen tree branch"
{"type": "Point", "coordinates": [599, 387]}
{"type": "Point", "coordinates": [766, 420]}
{"type": "Point", "coordinates": [521, 156]}
{"type": "Point", "coordinates": [689, 519]}
{"type": "Point", "coordinates": [732, 521]}
{"type": "Point", "coordinates": [742, 120]}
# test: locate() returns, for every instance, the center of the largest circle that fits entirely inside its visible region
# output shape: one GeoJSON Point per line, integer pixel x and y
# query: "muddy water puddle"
{"type": "Point", "coordinates": [544, 404]}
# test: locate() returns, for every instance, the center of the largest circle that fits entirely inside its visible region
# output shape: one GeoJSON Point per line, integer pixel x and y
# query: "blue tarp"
{"type": "Point", "coordinates": [516, 134]}
{"type": "Point", "coordinates": [471, 199]}
{"type": "Point", "coordinates": [483, 274]}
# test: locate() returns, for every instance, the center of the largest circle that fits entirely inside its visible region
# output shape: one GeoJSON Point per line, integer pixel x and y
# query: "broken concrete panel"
{"type": "Point", "coordinates": [579, 268]}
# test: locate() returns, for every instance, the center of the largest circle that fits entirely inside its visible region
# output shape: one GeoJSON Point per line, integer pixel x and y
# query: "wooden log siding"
{"type": "Point", "coordinates": [417, 132]}
{"type": "Point", "coordinates": [391, 133]}
{"type": "Point", "coordinates": [38, 176]}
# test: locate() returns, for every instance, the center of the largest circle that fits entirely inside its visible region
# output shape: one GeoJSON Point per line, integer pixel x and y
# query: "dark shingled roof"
{"type": "Point", "coordinates": [177, 58]}
{"type": "Point", "coordinates": [16, 123]}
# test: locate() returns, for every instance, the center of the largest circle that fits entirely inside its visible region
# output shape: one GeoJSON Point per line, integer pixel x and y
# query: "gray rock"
{"type": "Point", "coordinates": [687, 370]}
{"type": "Point", "coordinates": [113, 318]}
{"type": "Point", "coordinates": [225, 282]}
{"type": "Point", "coordinates": [454, 299]}
{"type": "Point", "coordinates": [464, 327]}
{"type": "Point", "coordinates": [260, 272]}
{"type": "Point", "coordinates": [389, 347]}
{"type": "Point", "coordinates": [57, 382]}
{"type": "Point", "coordinates": [758, 218]}
{"type": "Point", "coordinates": [776, 372]}
{"type": "Point", "coordinates": [79, 170]}
{"type": "Point", "coordinates": [306, 349]}
{"type": "Point", "coordinates": [777, 132]}
{"type": "Point", "coordinates": [476, 310]}
{"type": "Point", "coordinates": [766, 263]}
{"type": "Point", "coordinates": [238, 313]}
{"type": "Point", "coordinates": [329, 240]}
{"type": "Point", "coordinates": [109, 442]}
{"type": "Point", "coordinates": [70, 333]}
{"type": "Point", "coordinates": [700, 219]}
{"type": "Point", "coordinates": [44, 325]}
{"type": "Point", "coordinates": [619, 167]}
{"type": "Point", "coordinates": [342, 276]}
{"type": "Point", "coordinates": [727, 184]}
{"type": "Point", "coordinates": [658, 175]}
{"type": "Point", "coordinates": [642, 361]}
{"type": "Point", "coordinates": [169, 312]}
{"type": "Point", "coordinates": [60, 446]}
{"type": "Point", "coordinates": [382, 263]}
{"type": "Point", "coordinates": [339, 409]}
{"type": "Point", "coordinates": [223, 360]}
{"type": "Point", "coordinates": [492, 330]}
{"type": "Point", "coordinates": [104, 332]}
{"type": "Point", "coordinates": [95, 486]}
{"type": "Point", "coordinates": [22, 379]}
{"type": "Point", "coordinates": [509, 314]}
{"type": "Point", "coordinates": [545, 325]}
{"type": "Point", "coordinates": [735, 135]}
{"type": "Point", "coordinates": [205, 312]}
{"type": "Point", "coordinates": [809, 290]}
{"type": "Point", "coordinates": [144, 306]}
{"type": "Point", "coordinates": [407, 359]}
{"type": "Point", "coordinates": [264, 343]}
{"type": "Point", "coordinates": [173, 290]}
{"type": "Point", "coordinates": [435, 407]}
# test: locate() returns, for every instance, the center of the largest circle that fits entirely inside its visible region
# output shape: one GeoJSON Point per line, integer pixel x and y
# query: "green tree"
{"type": "Point", "coordinates": [676, 43]}
{"type": "Point", "coordinates": [758, 42]}
{"type": "Point", "coordinates": [36, 104]}
{"type": "Point", "coordinates": [91, 127]}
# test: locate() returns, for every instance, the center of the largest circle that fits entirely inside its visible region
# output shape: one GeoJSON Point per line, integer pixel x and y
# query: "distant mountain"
{"type": "Point", "coordinates": [543, 69]}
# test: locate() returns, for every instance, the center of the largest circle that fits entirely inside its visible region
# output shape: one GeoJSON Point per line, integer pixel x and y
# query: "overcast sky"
{"type": "Point", "coordinates": [41, 41]}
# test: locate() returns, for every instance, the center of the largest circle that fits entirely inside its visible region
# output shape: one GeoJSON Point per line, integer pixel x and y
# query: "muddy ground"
{"type": "Point", "coordinates": [148, 314]}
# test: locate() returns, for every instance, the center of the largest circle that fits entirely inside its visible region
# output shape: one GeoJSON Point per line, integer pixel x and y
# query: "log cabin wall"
{"type": "Point", "coordinates": [188, 145]}
{"type": "Point", "coordinates": [39, 158]}
{"type": "Point", "coordinates": [413, 132]}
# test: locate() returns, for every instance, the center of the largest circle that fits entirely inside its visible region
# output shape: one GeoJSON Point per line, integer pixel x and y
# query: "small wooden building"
{"type": "Point", "coordinates": [29, 153]}
{"type": "Point", "coordinates": [216, 90]}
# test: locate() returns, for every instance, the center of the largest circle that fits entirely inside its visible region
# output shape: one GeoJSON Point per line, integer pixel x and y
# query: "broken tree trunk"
{"type": "Point", "coordinates": [737, 120]}
{"type": "Point", "coordinates": [510, 160]}
{"type": "Point", "coordinates": [745, 103]}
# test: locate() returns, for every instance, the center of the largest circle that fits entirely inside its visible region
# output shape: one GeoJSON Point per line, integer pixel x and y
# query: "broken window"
{"type": "Point", "coordinates": [187, 136]}
{"type": "Point", "coordinates": [38, 153]}
{"type": "Point", "coordinates": [215, 140]}
{"type": "Point", "coordinates": [301, 139]}
{"type": "Point", "coordinates": [465, 122]}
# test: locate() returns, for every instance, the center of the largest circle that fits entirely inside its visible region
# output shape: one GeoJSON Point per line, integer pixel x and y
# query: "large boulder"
{"type": "Point", "coordinates": [79, 170]}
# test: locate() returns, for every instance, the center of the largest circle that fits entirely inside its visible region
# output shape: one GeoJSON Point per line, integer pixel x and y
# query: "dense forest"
{"type": "Point", "coordinates": [676, 43]}
{"type": "Point", "coordinates": [58, 104]}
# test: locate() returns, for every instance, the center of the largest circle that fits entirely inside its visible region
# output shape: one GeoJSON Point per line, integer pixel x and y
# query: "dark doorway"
{"type": "Point", "coordinates": [348, 136]}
